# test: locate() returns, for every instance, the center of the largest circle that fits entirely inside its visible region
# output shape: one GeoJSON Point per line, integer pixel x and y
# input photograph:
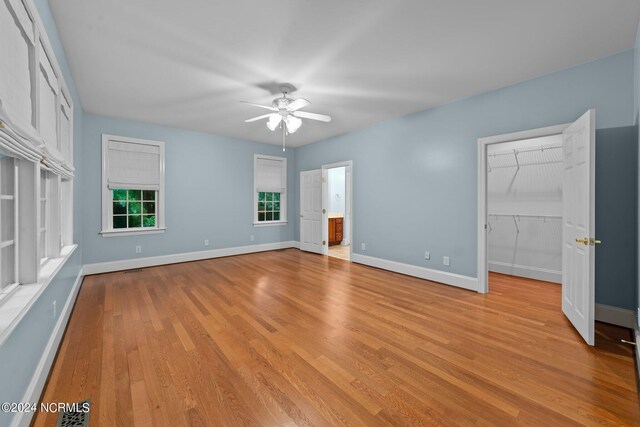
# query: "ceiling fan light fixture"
{"type": "Point", "coordinates": [274, 121]}
{"type": "Point", "coordinates": [293, 123]}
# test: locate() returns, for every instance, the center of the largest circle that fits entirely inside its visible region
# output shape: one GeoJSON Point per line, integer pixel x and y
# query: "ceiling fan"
{"type": "Point", "coordinates": [286, 113]}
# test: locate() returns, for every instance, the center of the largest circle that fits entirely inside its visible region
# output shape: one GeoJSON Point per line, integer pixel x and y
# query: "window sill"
{"type": "Point", "coordinates": [18, 300]}
{"type": "Point", "coordinates": [132, 232]}
{"type": "Point", "coordinates": [269, 224]}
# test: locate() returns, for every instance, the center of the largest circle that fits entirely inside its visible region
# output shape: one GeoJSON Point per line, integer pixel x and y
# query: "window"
{"type": "Point", "coordinates": [270, 190]}
{"type": "Point", "coordinates": [134, 208]}
{"type": "Point", "coordinates": [133, 186]}
{"type": "Point", "coordinates": [8, 222]}
{"type": "Point", "coordinates": [36, 159]}
{"type": "Point", "coordinates": [44, 216]}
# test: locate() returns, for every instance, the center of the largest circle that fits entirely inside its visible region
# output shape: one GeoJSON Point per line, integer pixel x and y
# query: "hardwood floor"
{"type": "Point", "coordinates": [285, 337]}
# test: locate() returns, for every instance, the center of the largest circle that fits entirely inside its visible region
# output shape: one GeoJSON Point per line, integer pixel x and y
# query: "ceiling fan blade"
{"type": "Point", "coordinates": [274, 121]}
{"type": "Point", "coordinates": [312, 116]}
{"type": "Point", "coordinates": [298, 104]}
{"type": "Point", "coordinates": [261, 106]}
{"type": "Point", "coordinates": [253, 119]}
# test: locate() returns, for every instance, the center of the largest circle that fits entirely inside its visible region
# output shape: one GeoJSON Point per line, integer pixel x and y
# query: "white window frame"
{"type": "Point", "coordinates": [107, 194]}
{"type": "Point", "coordinates": [283, 195]}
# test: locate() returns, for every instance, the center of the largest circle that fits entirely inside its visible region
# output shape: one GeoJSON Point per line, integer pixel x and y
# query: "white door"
{"type": "Point", "coordinates": [578, 216]}
{"type": "Point", "coordinates": [311, 211]}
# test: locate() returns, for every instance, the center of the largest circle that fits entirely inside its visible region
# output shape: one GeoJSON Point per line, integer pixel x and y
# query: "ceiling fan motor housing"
{"type": "Point", "coordinates": [281, 103]}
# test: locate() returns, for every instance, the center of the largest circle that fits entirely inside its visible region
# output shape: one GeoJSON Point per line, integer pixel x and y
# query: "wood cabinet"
{"type": "Point", "coordinates": [336, 225]}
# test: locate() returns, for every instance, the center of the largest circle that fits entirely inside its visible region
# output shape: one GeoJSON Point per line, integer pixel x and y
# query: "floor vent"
{"type": "Point", "coordinates": [78, 418]}
{"type": "Point", "coordinates": [134, 270]}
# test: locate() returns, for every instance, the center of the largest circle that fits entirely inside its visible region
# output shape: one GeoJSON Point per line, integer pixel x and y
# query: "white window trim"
{"type": "Point", "coordinates": [283, 196]}
{"type": "Point", "coordinates": [107, 205]}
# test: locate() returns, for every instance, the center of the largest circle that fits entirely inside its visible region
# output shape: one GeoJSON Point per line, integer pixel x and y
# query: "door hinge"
{"type": "Point", "coordinates": [324, 211]}
{"type": "Point", "coordinates": [324, 179]}
{"type": "Point", "coordinates": [324, 242]}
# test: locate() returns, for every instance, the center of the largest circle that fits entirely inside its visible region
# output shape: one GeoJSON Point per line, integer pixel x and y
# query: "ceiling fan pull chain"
{"type": "Point", "coordinates": [283, 134]}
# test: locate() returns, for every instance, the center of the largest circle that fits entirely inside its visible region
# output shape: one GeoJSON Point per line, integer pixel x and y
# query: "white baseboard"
{"type": "Point", "coordinates": [40, 375]}
{"type": "Point", "coordinates": [615, 316]}
{"type": "Point", "coordinates": [453, 279]}
{"type": "Point", "coordinates": [296, 244]}
{"type": "Point", "coordinates": [128, 264]}
{"type": "Point", "coordinates": [526, 271]}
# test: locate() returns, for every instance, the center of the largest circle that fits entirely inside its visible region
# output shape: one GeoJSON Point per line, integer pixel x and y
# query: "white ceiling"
{"type": "Point", "coordinates": [188, 63]}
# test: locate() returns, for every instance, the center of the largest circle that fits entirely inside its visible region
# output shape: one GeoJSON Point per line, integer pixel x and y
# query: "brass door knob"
{"type": "Point", "coordinates": [584, 240]}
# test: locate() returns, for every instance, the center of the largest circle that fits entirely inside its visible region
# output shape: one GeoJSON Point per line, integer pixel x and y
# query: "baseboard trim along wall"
{"type": "Point", "coordinates": [615, 316]}
{"type": "Point", "coordinates": [36, 386]}
{"type": "Point", "coordinates": [526, 271]}
{"type": "Point", "coordinates": [453, 279]}
{"type": "Point", "coordinates": [128, 264]}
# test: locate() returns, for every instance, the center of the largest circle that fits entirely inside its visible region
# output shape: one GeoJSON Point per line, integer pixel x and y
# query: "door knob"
{"type": "Point", "coordinates": [588, 241]}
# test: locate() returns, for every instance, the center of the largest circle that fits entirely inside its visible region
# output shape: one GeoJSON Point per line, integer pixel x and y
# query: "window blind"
{"type": "Point", "coordinates": [270, 175]}
{"type": "Point", "coordinates": [133, 166]}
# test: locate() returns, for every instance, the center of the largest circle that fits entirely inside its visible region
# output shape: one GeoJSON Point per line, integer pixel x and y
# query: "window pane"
{"type": "Point", "coordinates": [276, 216]}
{"type": "Point", "coordinates": [276, 206]}
{"type": "Point", "coordinates": [269, 216]}
{"type": "Point", "coordinates": [261, 197]}
{"type": "Point", "coordinates": [149, 195]}
{"type": "Point", "coordinates": [119, 208]}
{"type": "Point", "coordinates": [260, 206]}
{"type": "Point", "coordinates": [260, 216]}
{"type": "Point", "coordinates": [149, 207]}
{"type": "Point", "coordinates": [276, 197]}
{"type": "Point", "coordinates": [8, 266]}
{"type": "Point", "coordinates": [269, 206]}
{"type": "Point", "coordinates": [134, 194]}
{"type": "Point", "coordinates": [135, 208]}
{"type": "Point", "coordinates": [8, 220]}
{"type": "Point", "coordinates": [120, 221]}
{"type": "Point", "coordinates": [6, 165]}
{"type": "Point", "coordinates": [43, 214]}
{"type": "Point", "coordinates": [149, 221]}
{"type": "Point", "coordinates": [135, 221]}
{"type": "Point", "coordinates": [119, 194]}
{"type": "Point", "coordinates": [269, 197]}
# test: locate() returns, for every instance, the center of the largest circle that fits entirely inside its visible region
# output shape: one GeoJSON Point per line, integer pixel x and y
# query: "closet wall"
{"type": "Point", "coordinates": [525, 208]}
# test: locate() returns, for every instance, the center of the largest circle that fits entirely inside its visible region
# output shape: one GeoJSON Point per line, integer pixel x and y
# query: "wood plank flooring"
{"type": "Point", "coordinates": [289, 338]}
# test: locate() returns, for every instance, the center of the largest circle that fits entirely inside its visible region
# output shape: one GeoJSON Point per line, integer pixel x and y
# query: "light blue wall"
{"type": "Point", "coordinates": [21, 352]}
{"type": "Point", "coordinates": [415, 177]}
{"type": "Point", "coordinates": [209, 192]}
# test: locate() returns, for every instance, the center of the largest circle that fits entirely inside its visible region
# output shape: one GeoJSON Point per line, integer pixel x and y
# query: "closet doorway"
{"type": "Point", "coordinates": [336, 207]}
{"type": "Point", "coordinates": [536, 212]}
{"type": "Point", "coordinates": [524, 208]}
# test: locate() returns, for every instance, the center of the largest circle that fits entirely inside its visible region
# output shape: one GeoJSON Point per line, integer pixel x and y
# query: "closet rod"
{"type": "Point", "coordinates": [526, 150]}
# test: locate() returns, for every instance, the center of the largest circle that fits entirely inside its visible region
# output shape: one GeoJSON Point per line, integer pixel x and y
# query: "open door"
{"type": "Point", "coordinates": [311, 211]}
{"type": "Point", "coordinates": [578, 225]}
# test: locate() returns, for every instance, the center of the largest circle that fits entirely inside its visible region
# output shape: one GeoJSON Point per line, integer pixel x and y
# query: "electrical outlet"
{"type": "Point", "coordinates": [445, 260]}
{"type": "Point", "coordinates": [138, 249]}
{"type": "Point", "coordinates": [427, 255]}
{"type": "Point", "coordinates": [252, 238]}
{"type": "Point", "coordinates": [364, 247]}
{"type": "Point", "coordinates": [54, 310]}
{"type": "Point", "coordinates": [206, 242]}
